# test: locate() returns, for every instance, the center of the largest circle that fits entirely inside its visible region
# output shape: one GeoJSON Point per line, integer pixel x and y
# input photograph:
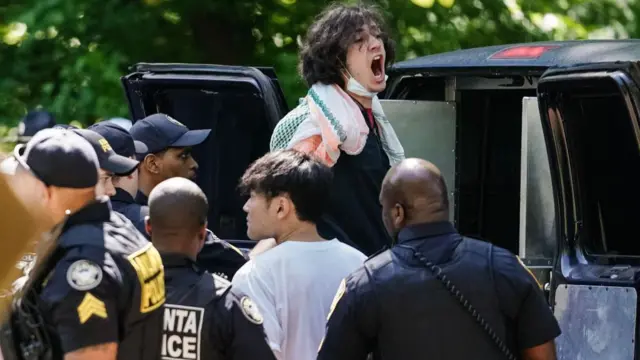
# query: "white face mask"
{"type": "Point", "coordinates": [353, 86]}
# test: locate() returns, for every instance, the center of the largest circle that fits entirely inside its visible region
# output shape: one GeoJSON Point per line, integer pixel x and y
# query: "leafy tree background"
{"type": "Point", "coordinates": [67, 56]}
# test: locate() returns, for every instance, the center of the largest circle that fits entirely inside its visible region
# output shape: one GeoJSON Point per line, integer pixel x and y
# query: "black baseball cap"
{"type": "Point", "coordinates": [59, 158]}
{"type": "Point", "coordinates": [120, 139]}
{"type": "Point", "coordinates": [108, 159]}
{"type": "Point", "coordinates": [33, 122]}
{"type": "Point", "coordinates": [160, 131]}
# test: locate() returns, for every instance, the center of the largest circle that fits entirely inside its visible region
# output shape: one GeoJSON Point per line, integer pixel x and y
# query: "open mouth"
{"type": "Point", "coordinates": [377, 67]}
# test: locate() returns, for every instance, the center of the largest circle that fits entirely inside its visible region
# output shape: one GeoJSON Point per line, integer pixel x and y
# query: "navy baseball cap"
{"type": "Point", "coordinates": [59, 158]}
{"type": "Point", "coordinates": [120, 139]}
{"type": "Point", "coordinates": [33, 122]}
{"type": "Point", "coordinates": [160, 131]}
{"type": "Point", "coordinates": [108, 159]}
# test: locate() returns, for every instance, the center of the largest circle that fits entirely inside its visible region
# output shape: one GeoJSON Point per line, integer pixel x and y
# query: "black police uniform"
{"type": "Point", "coordinates": [395, 308]}
{"type": "Point", "coordinates": [205, 319]}
{"type": "Point", "coordinates": [126, 205]}
{"type": "Point", "coordinates": [106, 286]}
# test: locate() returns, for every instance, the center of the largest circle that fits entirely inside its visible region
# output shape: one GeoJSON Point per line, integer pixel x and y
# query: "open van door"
{"type": "Point", "coordinates": [538, 238]}
{"type": "Point", "coordinates": [241, 105]}
{"type": "Point", "coordinates": [590, 122]}
{"type": "Point", "coordinates": [427, 130]}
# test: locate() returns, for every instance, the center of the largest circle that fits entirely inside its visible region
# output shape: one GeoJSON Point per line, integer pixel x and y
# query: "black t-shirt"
{"type": "Point", "coordinates": [355, 208]}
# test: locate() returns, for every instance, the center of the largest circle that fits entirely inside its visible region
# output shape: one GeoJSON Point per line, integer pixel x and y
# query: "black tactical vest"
{"type": "Point", "coordinates": [448, 330]}
{"type": "Point", "coordinates": [188, 325]}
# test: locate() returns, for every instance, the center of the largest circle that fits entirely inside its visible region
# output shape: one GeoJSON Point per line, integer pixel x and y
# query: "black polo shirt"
{"type": "Point", "coordinates": [387, 306]}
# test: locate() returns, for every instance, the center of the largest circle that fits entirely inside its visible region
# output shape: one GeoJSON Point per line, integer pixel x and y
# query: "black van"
{"type": "Point", "coordinates": [539, 144]}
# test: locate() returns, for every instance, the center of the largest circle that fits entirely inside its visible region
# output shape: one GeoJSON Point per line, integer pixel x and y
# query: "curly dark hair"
{"type": "Point", "coordinates": [304, 179]}
{"type": "Point", "coordinates": [324, 50]}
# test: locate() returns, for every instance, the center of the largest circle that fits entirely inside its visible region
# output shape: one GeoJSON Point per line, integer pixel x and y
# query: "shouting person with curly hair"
{"type": "Point", "coordinates": [341, 121]}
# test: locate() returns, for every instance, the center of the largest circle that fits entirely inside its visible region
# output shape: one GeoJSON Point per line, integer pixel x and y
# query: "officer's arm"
{"type": "Point", "coordinates": [98, 352]}
{"type": "Point", "coordinates": [523, 301]}
{"type": "Point", "coordinates": [81, 300]}
{"type": "Point", "coordinates": [351, 326]}
{"type": "Point", "coordinates": [240, 330]}
{"type": "Point", "coordinates": [546, 351]}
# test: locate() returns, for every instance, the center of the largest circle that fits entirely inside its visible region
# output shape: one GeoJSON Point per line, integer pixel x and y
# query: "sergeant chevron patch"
{"type": "Point", "coordinates": [91, 306]}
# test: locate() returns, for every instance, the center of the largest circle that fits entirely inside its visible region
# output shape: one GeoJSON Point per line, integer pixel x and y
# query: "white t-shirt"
{"type": "Point", "coordinates": [293, 286]}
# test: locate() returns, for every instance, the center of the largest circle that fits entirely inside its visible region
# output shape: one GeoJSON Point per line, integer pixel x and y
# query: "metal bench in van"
{"type": "Point", "coordinates": [539, 144]}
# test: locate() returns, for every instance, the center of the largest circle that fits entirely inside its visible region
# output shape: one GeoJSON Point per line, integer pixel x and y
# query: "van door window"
{"type": "Point", "coordinates": [605, 161]}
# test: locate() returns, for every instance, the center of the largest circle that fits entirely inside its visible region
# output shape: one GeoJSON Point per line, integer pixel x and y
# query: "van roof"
{"type": "Point", "coordinates": [536, 55]}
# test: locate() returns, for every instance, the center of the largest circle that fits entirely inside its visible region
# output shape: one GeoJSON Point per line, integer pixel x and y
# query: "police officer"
{"type": "Point", "coordinates": [99, 295]}
{"type": "Point", "coordinates": [33, 122]}
{"type": "Point", "coordinates": [435, 294]}
{"type": "Point", "coordinates": [169, 144]}
{"type": "Point", "coordinates": [126, 186]}
{"type": "Point", "coordinates": [203, 316]}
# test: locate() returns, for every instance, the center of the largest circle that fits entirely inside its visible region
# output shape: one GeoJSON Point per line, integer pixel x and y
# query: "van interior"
{"type": "Point", "coordinates": [488, 146]}
{"type": "Point", "coordinates": [605, 164]}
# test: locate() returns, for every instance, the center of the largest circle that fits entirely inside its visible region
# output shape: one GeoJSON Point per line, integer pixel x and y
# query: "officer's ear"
{"type": "Point", "coordinates": [147, 224]}
{"type": "Point", "coordinates": [152, 163]}
{"type": "Point", "coordinates": [398, 216]}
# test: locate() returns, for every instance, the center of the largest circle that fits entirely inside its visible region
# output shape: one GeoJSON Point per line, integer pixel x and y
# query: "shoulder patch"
{"type": "Point", "coordinates": [84, 275]}
{"type": "Point", "coordinates": [341, 290]}
{"type": "Point", "coordinates": [250, 310]}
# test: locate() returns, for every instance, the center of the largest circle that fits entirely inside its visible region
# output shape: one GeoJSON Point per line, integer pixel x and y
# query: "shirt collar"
{"type": "Point", "coordinates": [141, 198]}
{"type": "Point", "coordinates": [425, 230]}
{"type": "Point", "coordinates": [96, 211]}
{"type": "Point", "coordinates": [123, 196]}
{"type": "Point", "coordinates": [176, 260]}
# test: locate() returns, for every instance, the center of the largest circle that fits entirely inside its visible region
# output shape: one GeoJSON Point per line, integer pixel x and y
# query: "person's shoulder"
{"type": "Point", "coordinates": [510, 267]}
{"type": "Point", "coordinates": [349, 250]}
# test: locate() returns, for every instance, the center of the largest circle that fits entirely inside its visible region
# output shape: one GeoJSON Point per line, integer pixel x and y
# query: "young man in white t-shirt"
{"type": "Point", "coordinates": [294, 283]}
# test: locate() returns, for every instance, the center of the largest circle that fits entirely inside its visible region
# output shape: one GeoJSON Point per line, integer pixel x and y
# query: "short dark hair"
{"type": "Point", "coordinates": [177, 205]}
{"type": "Point", "coordinates": [324, 51]}
{"type": "Point", "coordinates": [304, 179]}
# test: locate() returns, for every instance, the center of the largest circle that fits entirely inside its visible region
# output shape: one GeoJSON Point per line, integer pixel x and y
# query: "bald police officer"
{"type": "Point", "coordinates": [436, 294]}
{"type": "Point", "coordinates": [203, 317]}
{"type": "Point", "coordinates": [99, 295]}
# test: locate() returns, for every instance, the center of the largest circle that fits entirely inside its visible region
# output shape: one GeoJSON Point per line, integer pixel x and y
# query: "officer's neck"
{"type": "Point", "coordinates": [426, 217]}
{"type": "Point", "coordinates": [146, 183]}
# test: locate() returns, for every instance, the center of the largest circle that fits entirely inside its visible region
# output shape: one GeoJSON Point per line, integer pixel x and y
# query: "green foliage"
{"type": "Point", "coordinates": [68, 55]}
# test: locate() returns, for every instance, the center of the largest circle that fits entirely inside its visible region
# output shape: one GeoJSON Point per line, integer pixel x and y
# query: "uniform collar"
{"type": "Point", "coordinates": [425, 230]}
{"type": "Point", "coordinates": [141, 198]}
{"type": "Point", "coordinates": [123, 196]}
{"type": "Point", "coordinates": [96, 211]}
{"type": "Point", "coordinates": [176, 260]}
